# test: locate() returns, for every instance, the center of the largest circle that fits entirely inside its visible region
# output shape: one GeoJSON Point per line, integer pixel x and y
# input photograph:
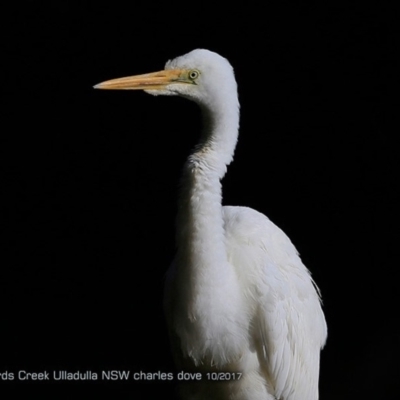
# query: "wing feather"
{"type": "Point", "coordinates": [288, 322]}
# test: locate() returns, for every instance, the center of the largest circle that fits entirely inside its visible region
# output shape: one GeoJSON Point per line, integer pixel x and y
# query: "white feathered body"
{"type": "Point", "coordinates": [254, 309]}
{"type": "Point", "coordinates": [239, 303]}
{"type": "Point", "coordinates": [238, 298]}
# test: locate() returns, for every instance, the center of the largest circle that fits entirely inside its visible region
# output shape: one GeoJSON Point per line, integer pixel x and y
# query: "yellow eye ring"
{"type": "Point", "coordinates": [193, 74]}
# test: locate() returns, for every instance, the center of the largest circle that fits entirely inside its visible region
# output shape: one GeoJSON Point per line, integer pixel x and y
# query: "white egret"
{"type": "Point", "coordinates": [241, 307]}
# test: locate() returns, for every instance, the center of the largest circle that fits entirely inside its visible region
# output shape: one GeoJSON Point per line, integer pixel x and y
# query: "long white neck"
{"type": "Point", "coordinates": [203, 267]}
{"type": "Point", "coordinates": [200, 230]}
{"type": "Point", "coordinates": [210, 329]}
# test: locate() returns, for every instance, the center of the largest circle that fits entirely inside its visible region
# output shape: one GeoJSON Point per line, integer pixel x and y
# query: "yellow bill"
{"type": "Point", "coordinates": [153, 81]}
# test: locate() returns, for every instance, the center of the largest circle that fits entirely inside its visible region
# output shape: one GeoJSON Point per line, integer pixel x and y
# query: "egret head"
{"type": "Point", "coordinates": [201, 75]}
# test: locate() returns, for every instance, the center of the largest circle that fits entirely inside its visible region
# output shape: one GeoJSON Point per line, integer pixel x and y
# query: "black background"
{"type": "Point", "coordinates": [89, 179]}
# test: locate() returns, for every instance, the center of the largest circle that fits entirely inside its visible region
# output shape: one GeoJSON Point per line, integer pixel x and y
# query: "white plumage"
{"type": "Point", "coordinates": [238, 298]}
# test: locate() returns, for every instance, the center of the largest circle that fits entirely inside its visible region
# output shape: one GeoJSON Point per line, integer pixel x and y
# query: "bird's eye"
{"type": "Point", "coordinates": [193, 74]}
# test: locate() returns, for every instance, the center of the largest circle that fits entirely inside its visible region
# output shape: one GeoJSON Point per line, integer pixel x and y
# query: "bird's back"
{"type": "Point", "coordinates": [288, 326]}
